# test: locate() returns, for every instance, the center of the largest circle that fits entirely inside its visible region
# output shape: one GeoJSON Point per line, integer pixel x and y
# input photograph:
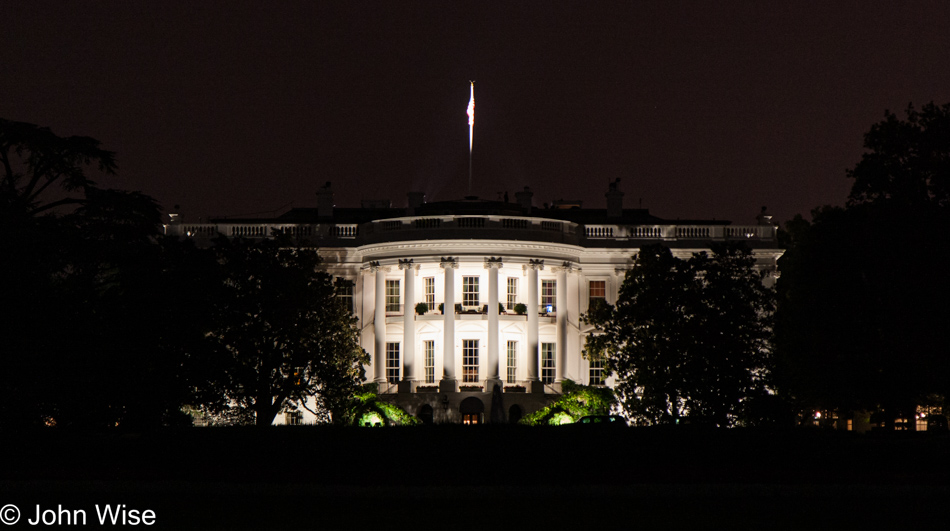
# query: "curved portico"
{"type": "Point", "coordinates": [477, 337]}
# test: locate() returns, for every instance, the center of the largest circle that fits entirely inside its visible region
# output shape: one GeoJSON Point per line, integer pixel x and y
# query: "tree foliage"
{"type": "Point", "coordinates": [907, 162]}
{"type": "Point", "coordinates": [283, 335]}
{"type": "Point", "coordinates": [107, 323]}
{"type": "Point", "coordinates": [36, 163]}
{"type": "Point", "coordinates": [687, 337]}
{"type": "Point", "coordinates": [861, 322]}
{"type": "Point", "coordinates": [91, 295]}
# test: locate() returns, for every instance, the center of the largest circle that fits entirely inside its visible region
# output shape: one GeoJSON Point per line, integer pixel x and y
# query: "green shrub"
{"type": "Point", "coordinates": [576, 402]}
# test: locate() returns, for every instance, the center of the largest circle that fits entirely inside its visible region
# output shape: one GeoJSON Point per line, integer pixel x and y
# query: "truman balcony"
{"type": "Point", "coordinates": [487, 227]}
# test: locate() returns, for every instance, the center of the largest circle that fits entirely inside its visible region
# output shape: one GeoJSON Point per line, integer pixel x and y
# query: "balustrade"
{"type": "Point", "coordinates": [568, 229]}
{"type": "Point", "coordinates": [346, 231]}
{"type": "Point", "coordinates": [471, 223]}
{"type": "Point", "coordinates": [599, 231]}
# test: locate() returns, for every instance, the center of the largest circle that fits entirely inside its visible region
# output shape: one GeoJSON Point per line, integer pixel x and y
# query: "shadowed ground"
{"type": "Point", "coordinates": [486, 478]}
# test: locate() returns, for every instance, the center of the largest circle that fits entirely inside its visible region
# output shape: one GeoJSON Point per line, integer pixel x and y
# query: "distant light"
{"type": "Point", "coordinates": [818, 414]}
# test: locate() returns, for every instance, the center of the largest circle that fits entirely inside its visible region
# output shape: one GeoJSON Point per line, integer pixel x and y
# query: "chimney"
{"type": "Point", "coordinates": [325, 201]}
{"type": "Point", "coordinates": [524, 199]}
{"type": "Point", "coordinates": [416, 199]}
{"type": "Point", "coordinates": [614, 200]}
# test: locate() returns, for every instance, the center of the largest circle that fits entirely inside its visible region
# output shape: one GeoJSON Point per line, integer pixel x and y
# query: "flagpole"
{"type": "Point", "coordinates": [471, 129]}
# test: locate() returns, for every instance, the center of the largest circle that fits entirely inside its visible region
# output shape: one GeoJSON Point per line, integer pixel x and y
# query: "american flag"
{"type": "Point", "coordinates": [471, 107]}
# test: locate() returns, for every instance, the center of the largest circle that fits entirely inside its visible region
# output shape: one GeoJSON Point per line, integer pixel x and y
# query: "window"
{"type": "Point", "coordinates": [547, 363]}
{"type": "Point", "coordinates": [512, 362]}
{"type": "Point", "coordinates": [293, 418]}
{"type": "Point", "coordinates": [598, 289]}
{"type": "Point", "coordinates": [344, 292]}
{"type": "Point", "coordinates": [392, 363]}
{"type": "Point", "coordinates": [430, 292]}
{"type": "Point", "coordinates": [596, 372]}
{"type": "Point", "coordinates": [469, 360]}
{"type": "Point", "coordinates": [429, 348]}
{"type": "Point", "coordinates": [392, 296]}
{"type": "Point", "coordinates": [548, 294]}
{"type": "Point", "coordinates": [296, 376]}
{"type": "Point", "coordinates": [512, 293]}
{"type": "Point", "coordinates": [470, 291]}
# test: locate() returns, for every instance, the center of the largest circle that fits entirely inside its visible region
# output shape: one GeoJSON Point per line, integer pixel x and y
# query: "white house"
{"type": "Point", "coordinates": [473, 262]}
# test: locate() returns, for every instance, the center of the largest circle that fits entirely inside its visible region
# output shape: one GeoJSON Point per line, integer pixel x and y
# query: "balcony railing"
{"type": "Point", "coordinates": [679, 232]}
{"type": "Point", "coordinates": [492, 227]}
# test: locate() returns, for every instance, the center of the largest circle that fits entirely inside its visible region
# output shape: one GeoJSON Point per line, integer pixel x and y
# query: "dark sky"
{"type": "Point", "coordinates": [703, 110]}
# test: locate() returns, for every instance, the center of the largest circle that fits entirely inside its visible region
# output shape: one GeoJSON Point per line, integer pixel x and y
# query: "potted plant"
{"type": "Point", "coordinates": [521, 309]}
{"type": "Point", "coordinates": [501, 308]}
{"type": "Point", "coordinates": [422, 308]}
{"type": "Point", "coordinates": [442, 308]}
{"type": "Point", "coordinates": [485, 309]}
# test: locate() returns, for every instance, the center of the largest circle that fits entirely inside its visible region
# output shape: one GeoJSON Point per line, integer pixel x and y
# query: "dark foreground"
{"type": "Point", "coordinates": [483, 478]}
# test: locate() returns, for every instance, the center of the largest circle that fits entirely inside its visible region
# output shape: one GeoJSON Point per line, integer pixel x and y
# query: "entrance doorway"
{"type": "Point", "coordinates": [472, 410]}
{"type": "Point", "coordinates": [425, 414]}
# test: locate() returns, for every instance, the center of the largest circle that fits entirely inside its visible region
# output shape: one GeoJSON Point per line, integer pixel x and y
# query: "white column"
{"type": "Point", "coordinates": [449, 383]}
{"type": "Point", "coordinates": [379, 322]}
{"type": "Point", "coordinates": [561, 322]}
{"type": "Point", "coordinates": [534, 382]}
{"type": "Point", "coordinates": [494, 369]}
{"type": "Point", "coordinates": [410, 368]}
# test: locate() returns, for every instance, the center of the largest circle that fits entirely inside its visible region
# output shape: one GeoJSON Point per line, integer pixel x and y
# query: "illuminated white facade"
{"type": "Point", "coordinates": [473, 263]}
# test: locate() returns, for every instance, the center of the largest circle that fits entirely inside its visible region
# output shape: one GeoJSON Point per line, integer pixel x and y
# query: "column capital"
{"type": "Point", "coordinates": [567, 267]}
{"type": "Point", "coordinates": [533, 264]}
{"type": "Point", "coordinates": [407, 264]}
{"type": "Point", "coordinates": [449, 262]}
{"type": "Point", "coordinates": [372, 267]}
{"type": "Point", "coordinates": [494, 263]}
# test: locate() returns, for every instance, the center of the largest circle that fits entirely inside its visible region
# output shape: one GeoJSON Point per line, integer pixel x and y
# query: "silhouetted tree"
{"type": "Point", "coordinates": [91, 298]}
{"type": "Point", "coordinates": [42, 171]}
{"type": "Point", "coordinates": [283, 334]}
{"type": "Point", "coordinates": [686, 337]}
{"type": "Point", "coordinates": [861, 320]}
{"type": "Point", "coordinates": [906, 164]}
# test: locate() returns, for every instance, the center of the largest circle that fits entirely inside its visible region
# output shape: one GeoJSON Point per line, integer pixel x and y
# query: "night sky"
{"type": "Point", "coordinates": [247, 107]}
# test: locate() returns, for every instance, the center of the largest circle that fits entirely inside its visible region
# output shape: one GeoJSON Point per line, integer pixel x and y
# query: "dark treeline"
{"type": "Point", "coordinates": [107, 323]}
{"type": "Point", "coordinates": [862, 319]}
{"type": "Point", "coordinates": [860, 323]}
